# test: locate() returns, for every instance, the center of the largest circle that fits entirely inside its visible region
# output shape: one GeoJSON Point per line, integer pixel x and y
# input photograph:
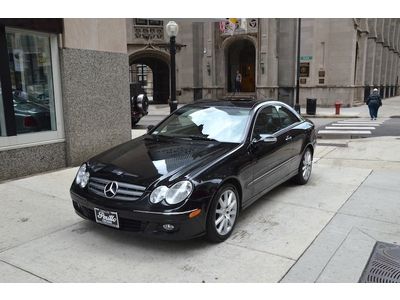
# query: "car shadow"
{"type": "Point", "coordinates": [137, 240]}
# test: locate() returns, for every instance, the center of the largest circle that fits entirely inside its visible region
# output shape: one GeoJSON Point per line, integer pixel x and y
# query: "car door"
{"type": "Point", "coordinates": [267, 155]}
{"type": "Point", "coordinates": [294, 137]}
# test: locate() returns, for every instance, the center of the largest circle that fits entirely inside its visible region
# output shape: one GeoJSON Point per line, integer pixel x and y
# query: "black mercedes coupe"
{"type": "Point", "coordinates": [194, 172]}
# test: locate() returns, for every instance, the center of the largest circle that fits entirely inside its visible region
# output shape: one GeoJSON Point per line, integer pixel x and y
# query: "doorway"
{"type": "Point", "coordinates": [152, 74]}
{"type": "Point", "coordinates": [241, 57]}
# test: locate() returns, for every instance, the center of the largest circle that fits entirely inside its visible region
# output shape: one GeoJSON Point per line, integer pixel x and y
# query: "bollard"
{"type": "Point", "coordinates": [337, 107]}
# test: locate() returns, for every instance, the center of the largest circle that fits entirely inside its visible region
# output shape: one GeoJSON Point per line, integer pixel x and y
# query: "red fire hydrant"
{"type": "Point", "coordinates": [337, 107]}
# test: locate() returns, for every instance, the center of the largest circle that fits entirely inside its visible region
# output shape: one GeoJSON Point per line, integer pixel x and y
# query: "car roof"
{"type": "Point", "coordinates": [242, 103]}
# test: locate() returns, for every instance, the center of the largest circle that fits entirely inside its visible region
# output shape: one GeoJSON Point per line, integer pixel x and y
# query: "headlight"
{"type": "Point", "coordinates": [82, 177]}
{"type": "Point", "coordinates": [173, 195]}
{"type": "Point", "coordinates": [178, 192]}
{"type": "Point", "coordinates": [158, 194]}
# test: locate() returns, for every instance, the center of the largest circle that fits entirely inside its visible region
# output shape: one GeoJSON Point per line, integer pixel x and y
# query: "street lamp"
{"type": "Point", "coordinates": [172, 30]}
{"type": "Point", "coordinates": [297, 105]}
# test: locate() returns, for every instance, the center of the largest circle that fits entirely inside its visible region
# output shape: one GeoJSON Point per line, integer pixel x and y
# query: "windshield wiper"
{"type": "Point", "coordinates": [197, 137]}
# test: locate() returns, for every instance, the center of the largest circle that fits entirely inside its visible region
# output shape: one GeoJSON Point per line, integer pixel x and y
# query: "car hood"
{"type": "Point", "coordinates": [151, 159]}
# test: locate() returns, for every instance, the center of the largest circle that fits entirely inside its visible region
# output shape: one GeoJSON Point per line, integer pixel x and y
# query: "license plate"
{"type": "Point", "coordinates": [108, 218]}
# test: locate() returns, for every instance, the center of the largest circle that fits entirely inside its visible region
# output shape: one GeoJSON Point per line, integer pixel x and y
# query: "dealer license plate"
{"type": "Point", "coordinates": [108, 218]}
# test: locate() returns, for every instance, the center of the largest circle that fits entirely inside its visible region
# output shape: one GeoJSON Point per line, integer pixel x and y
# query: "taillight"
{"type": "Point", "coordinates": [30, 122]}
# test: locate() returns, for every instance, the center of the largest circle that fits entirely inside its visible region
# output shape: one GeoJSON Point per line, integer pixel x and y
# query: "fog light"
{"type": "Point", "coordinates": [168, 227]}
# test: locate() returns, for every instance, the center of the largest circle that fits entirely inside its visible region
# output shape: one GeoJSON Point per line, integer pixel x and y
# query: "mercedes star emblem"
{"type": "Point", "coordinates": [110, 190]}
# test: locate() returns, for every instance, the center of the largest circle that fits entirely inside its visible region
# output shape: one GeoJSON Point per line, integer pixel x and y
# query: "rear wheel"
{"type": "Point", "coordinates": [223, 213]}
{"type": "Point", "coordinates": [305, 167]}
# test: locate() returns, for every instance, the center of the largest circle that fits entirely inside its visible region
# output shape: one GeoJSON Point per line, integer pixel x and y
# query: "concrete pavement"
{"type": "Point", "coordinates": [323, 231]}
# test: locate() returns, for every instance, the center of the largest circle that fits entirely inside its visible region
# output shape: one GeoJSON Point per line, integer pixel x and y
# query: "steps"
{"type": "Point", "coordinates": [240, 96]}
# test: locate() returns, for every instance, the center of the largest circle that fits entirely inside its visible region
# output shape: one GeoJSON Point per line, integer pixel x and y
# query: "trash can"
{"type": "Point", "coordinates": [311, 106]}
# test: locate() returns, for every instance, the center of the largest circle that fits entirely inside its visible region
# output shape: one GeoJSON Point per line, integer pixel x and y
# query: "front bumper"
{"type": "Point", "coordinates": [146, 222]}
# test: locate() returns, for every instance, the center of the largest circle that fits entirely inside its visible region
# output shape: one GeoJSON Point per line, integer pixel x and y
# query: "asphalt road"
{"type": "Point", "coordinates": [388, 127]}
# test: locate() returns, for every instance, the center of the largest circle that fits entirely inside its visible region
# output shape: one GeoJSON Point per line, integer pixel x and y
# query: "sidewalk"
{"type": "Point", "coordinates": [390, 107]}
{"type": "Point", "coordinates": [341, 250]}
{"type": "Point", "coordinates": [321, 232]}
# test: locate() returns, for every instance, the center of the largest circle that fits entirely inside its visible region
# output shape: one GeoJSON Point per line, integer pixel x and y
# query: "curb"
{"type": "Point", "coordinates": [330, 116]}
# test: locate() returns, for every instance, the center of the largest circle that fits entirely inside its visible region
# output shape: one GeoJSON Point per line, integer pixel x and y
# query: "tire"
{"type": "Point", "coordinates": [142, 103]}
{"type": "Point", "coordinates": [221, 219]}
{"type": "Point", "coordinates": [305, 167]}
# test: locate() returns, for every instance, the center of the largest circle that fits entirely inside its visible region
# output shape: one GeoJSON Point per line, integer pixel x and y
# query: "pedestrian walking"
{"type": "Point", "coordinates": [238, 81]}
{"type": "Point", "coordinates": [374, 101]}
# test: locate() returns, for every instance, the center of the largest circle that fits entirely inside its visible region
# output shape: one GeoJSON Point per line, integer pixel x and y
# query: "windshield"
{"type": "Point", "coordinates": [223, 124]}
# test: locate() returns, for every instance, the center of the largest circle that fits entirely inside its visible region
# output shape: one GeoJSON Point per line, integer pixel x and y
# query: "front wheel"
{"type": "Point", "coordinates": [223, 213]}
{"type": "Point", "coordinates": [305, 168]}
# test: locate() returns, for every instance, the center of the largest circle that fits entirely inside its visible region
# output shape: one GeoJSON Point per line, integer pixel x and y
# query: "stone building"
{"type": "Point", "coordinates": [64, 92]}
{"type": "Point", "coordinates": [340, 59]}
{"type": "Point", "coordinates": [64, 83]}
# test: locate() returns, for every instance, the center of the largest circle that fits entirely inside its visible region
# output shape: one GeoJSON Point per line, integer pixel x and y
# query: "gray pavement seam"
{"type": "Point", "coordinates": [39, 237]}
{"type": "Point", "coordinates": [361, 159]}
{"type": "Point", "coordinates": [304, 206]}
{"type": "Point", "coordinates": [368, 218]}
{"type": "Point", "coordinates": [330, 220]}
{"type": "Point", "coordinates": [336, 250]}
{"type": "Point", "coordinates": [323, 156]}
{"type": "Point", "coordinates": [367, 234]}
{"type": "Point", "coordinates": [36, 191]}
{"type": "Point", "coordinates": [261, 251]}
{"type": "Point", "coordinates": [26, 271]}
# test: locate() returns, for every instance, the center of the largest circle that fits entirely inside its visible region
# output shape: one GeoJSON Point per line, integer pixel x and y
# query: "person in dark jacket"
{"type": "Point", "coordinates": [374, 102]}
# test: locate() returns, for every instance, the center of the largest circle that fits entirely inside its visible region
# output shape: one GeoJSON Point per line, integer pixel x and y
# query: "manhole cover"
{"type": "Point", "coordinates": [383, 265]}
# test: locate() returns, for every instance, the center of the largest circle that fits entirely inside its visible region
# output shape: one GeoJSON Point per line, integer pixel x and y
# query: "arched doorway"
{"type": "Point", "coordinates": [241, 55]}
{"type": "Point", "coordinates": [152, 72]}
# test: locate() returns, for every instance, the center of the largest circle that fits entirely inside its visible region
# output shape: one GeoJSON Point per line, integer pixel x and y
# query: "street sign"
{"type": "Point", "coordinates": [306, 57]}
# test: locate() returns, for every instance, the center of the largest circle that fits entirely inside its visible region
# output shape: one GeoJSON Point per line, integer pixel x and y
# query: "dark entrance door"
{"type": "Point", "coordinates": [242, 58]}
{"type": "Point", "coordinates": [160, 77]}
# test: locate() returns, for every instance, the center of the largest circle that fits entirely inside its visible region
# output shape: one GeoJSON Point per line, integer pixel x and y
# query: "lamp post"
{"type": "Point", "coordinates": [297, 105]}
{"type": "Point", "coordinates": [172, 31]}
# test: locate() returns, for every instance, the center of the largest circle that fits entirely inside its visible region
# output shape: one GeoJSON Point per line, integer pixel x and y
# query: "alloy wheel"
{"type": "Point", "coordinates": [226, 212]}
{"type": "Point", "coordinates": [307, 165]}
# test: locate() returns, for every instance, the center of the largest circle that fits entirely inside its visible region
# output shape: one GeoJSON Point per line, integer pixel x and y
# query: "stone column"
{"type": "Point", "coordinates": [361, 66]}
{"type": "Point", "coordinates": [370, 61]}
{"type": "Point", "coordinates": [95, 72]}
{"type": "Point", "coordinates": [385, 55]}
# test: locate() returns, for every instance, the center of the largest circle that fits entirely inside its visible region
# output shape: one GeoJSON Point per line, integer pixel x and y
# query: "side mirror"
{"type": "Point", "coordinates": [150, 127]}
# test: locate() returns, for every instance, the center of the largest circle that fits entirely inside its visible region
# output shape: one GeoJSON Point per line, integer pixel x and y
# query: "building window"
{"type": "Point", "coordinates": [35, 94]}
{"type": "Point", "coordinates": [141, 21]}
{"type": "Point", "coordinates": [32, 81]}
{"type": "Point", "coordinates": [148, 29]}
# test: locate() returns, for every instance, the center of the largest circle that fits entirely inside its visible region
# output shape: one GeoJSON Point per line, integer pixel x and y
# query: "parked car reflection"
{"type": "Point", "coordinates": [30, 115]}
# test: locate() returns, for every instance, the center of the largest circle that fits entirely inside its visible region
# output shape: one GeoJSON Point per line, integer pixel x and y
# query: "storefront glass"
{"type": "Point", "coordinates": [32, 80]}
{"type": "Point", "coordinates": [1, 114]}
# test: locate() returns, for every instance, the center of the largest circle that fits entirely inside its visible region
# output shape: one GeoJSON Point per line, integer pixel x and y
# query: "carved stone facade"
{"type": "Point", "coordinates": [341, 59]}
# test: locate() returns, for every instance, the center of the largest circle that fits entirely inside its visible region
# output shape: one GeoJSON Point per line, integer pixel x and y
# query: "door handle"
{"type": "Point", "coordinates": [288, 138]}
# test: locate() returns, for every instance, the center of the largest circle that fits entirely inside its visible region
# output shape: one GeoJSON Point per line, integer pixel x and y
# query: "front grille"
{"type": "Point", "coordinates": [126, 191]}
{"type": "Point", "coordinates": [124, 224]}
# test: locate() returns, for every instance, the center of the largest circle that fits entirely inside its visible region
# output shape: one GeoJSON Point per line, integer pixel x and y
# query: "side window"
{"type": "Point", "coordinates": [286, 116]}
{"type": "Point", "coordinates": [267, 122]}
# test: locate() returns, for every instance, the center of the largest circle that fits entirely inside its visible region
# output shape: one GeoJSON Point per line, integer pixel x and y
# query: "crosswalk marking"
{"type": "Point", "coordinates": [354, 127]}
{"type": "Point", "coordinates": [359, 121]}
{"type": "Point", "coordinates": [350, 127]}
{"type": "Point", "coordinates": [344, 132]}
{"type": "Point", "coordinates": [356, 124]}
